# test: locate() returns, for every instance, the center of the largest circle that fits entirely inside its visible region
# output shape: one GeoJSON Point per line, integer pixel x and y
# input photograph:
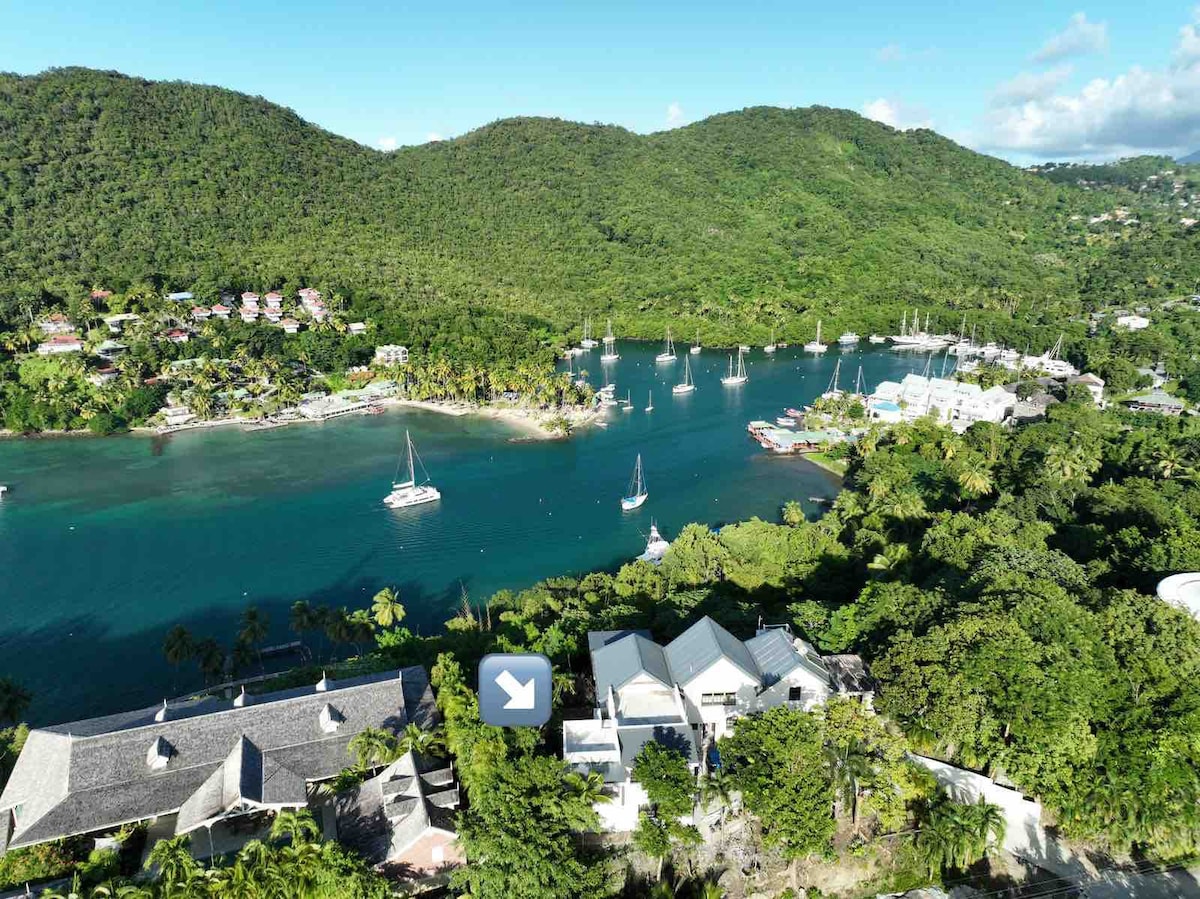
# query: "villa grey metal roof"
{"type": "Point", "coordinates": [597, 639]}
{"type": "Point", "coordinates": [615, 664]}
{"type": "Point", "coordinates": [850, 674]}
{"type": "Point", "coordinates": [678, 737]}
{"type": "Point", "coordinates": [385, 815]}
{"type": "Point", "coordinates": [702, 645]}
{"type": "Point", "coordinates": [776, 655]}
{"type": "Point", "coordinates": [93, 774]}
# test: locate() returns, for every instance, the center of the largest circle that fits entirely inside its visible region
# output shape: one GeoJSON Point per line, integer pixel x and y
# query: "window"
{"type": "Point", "coordinates": [718, 699]}
{"type": "Point", "coordinates": [796, 694]}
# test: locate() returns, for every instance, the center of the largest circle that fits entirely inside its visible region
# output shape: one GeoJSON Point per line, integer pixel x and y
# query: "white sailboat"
{"type": "Point", "coordinates": [668, 353]}
{"type": "Point", "coordinates": [733, 379]}
{"type": "Point", "coordinates": [695, 350]}
{"type": "Point", "coordinates": [627, 405]}
{"type": "Point", "coordinates": [409, 492]}
{"type": "Point", "coordinates": [848, 338]}
{"type": "Point", "coordinates": [832, 391]}
{"type": "Point", "coordinates": [588, 342]}
{"type": "Point", "coordinates": [815, 346]}
{"type": "Point", "coordinates": [610, 353]}
{"type": "Point", "coordinates": [687, 386]}
{"type": "Point", "coordinates": [656, 547]}
{"type": "Point", "coordinates": [650, 402]}
{"type": "Point", "coordinates": [770, 347]}
{"type": "Point", "coordinates": [636, 494]}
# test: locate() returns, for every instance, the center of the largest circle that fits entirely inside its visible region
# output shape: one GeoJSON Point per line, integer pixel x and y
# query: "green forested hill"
{"type": "Point", "coordinates": [761, 217]}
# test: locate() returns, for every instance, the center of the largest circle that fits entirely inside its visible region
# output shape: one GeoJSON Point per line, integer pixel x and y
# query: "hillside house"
{"type": "Point", "coordinates": [177, 335]}
{"type": "Point", "coordinates": [290, 325]}
{"type": "Point", "coordinates": [183, 296]}
{"type": "Point", "coordinates": [687, 695]}
{"type": "Point", "coordinates": [200, 313]}
{"type": "Point", "coordinates": [221, 311]}
{"type": "Point", "coordinates": [56, 323]}
{"type": "Point", "coordinates": [201, 762]}
{"type": "Point", "coordinates": [1131, 322]}
{"type": "Point", "coordinates": [273, 300]}
{"type": "Point", "coordinates": [1154, 401]}
{"type": "Point", "coordinates": [958, 403]}
{"type": "Point", "coordinates": [391, 354]}
{"type": "Point", "coordinates": [1094, 385]}
{"type": "Point", "coordinates": [357, 327]}
{"type": "Point", "coordinates": [110, 349]}
{"type": "Point", "coordinates": [116, 323]}
{"type": "Point", "coordinates": [59, 344]}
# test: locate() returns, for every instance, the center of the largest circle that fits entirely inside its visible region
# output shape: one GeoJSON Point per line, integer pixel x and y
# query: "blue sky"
{"type": "Point", "coordinates": [1026, 81]}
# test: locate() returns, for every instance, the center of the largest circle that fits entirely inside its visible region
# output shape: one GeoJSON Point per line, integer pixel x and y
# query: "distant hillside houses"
{"type": "Point", "coordinates": [59, 344]}
{"type": "Point", "coordinates": [688, 694]}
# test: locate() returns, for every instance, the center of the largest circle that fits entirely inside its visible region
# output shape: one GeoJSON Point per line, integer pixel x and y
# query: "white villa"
{"type": "Point", "coordinates": [60, 343]}
{"type": "Point", "coordinates": [688, 694]}
{"type": "Point", "coordinates": [391, 354]}
{"type": "Point", "coordinates": [956, 402]}
{"type": "Point", "coordinates": [1131, 322]}
{"type": "Point", "coordinates": [56, 323]}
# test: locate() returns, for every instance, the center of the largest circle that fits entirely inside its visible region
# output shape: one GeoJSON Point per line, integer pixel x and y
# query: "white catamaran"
{"type": "Point", "coordinates": [610, 353]}
{"type": "Point", "coordinates": [668, 353]}
{"type": "Point", "coordinates": [687, 386]}
{"type": "Point", "coordinates": [636, 494]}
{"type": "Point", "coordinates": [410, 493]}
{"type": "Point", "coordinates": [732, 379]}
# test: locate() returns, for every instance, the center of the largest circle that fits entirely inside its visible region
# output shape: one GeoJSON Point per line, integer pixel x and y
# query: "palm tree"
{"type": "Point", "coordinates": [421, 741]}
{"type": "Point", "coordinates": [176, 867]}
{"type": "Point", "coordinates": [373, 747]}
{"type": "Point", "coordinates": [793, 513]}
{"type": "Point", "coordinates": [14, 699]}
{"type": "Point", "coordinates": [302, 618]}
{"type": "Point", "coordinates": [254, 629]}
{"type": "Point", "coordinates": [716, 788]}
{"type": "Point", "coordinates": [588, 787]}
{"type": "Point", "coordinates": [179, 646]}
{"type": "Point", "coordinates": [211, 658]}
{"type": "Point", "coordinates": [386, 608]}
{"type": "Point", "coordinates": [973, 476]}
{"type": "Point", "coordinates": [1071, 463]}
{"type": "Point", "coordinates": [894, 558]}
{"type": "Point", "coordinates": [849, 766]}
{"type": "Point", "coordinates": [295, 827]}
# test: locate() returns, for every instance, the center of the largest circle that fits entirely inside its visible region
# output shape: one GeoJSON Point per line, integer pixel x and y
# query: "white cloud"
{"type": "Point", "coordinates": [1141, 110]}
{"type": "Point", "coordinates": [890, 53]}
{"type": "Point", "coordinates": [434, 137]}
{"type": "Point", "coordinates": [1080, 37]}
{"type": "Point", "coordinates": [1030, 86]}
{"type": "Point", "coordinates": [674, 115]}
{"type": "Point", "coordinates": [896, 114]}
{"type": "Point", "coordinates": [387, 144]}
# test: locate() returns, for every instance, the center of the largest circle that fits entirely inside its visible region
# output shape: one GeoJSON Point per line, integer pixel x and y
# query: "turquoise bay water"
{"type": "Point", "coordinates": [105, 544]}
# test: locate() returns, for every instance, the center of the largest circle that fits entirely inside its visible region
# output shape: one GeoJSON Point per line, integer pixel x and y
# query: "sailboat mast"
{"type": "Point", "coordinates": [412, 472]}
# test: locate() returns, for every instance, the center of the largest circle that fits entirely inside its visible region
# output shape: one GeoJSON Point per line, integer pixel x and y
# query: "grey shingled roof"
{"type": "Point", "coordinates": [385, 815]}
{"type": "Point", "coordinates": [615, 664]}
{"type": "Point", "coordinates": [91, 775]}
{"type": "Point", "coordinates": [703, 644]}
{"type": "Point", "coordinates": [596, 639]}
{"type": "Point", "coordinates": [679, 737]}
{"type": "Point", "coordinates": [776, 655]}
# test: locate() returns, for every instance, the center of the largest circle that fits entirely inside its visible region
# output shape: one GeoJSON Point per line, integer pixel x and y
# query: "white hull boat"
{"type": "Point", "coordinates": [668, 353]}
{"type": "Point", "coordinates": [409, 492]}
{"type": "Point", "coordinates": [733, 379]}
{"type": "Point", "coordinates": [687, 386]}
{"type": "Point", "coordinates": [656, 547]}
{"type": "Point", "coordinates": [637, 493]}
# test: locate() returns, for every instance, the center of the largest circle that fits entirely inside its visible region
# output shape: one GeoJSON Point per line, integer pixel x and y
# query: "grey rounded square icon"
{"type": "Point", "coordinates": [515, 689]}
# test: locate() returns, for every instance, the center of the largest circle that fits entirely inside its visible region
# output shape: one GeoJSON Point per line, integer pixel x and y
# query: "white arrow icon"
{"type": "Point", "coordinates": [520, 695]}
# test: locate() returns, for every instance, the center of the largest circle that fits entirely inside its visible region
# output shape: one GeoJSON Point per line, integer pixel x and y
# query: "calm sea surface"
{"type": "Point", "coordinates": [105, 544]}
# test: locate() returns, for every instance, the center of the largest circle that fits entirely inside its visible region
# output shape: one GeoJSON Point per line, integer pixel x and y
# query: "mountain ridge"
{"type": "Point", "coordinates": [753, 216]}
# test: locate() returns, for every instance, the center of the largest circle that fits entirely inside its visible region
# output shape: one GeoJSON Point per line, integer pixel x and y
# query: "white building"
{"type": "Point", "coordinates": [688, 694]}
{"type": "Point", "coordinates": [56, 323]}
{"type": "Point", "coordinates": [1094, 385]}
{"type": "Point", "coordinates": [116, 323]}
{"type": "Point", "coordinates": [60, 343]}
{"type": "Point", "coordinates": [958, 403]}
{"type": "Point", "coordinates": [1131, 322]}
{"type": "Point", "coordinates": [357, 327]}
{"type": "Point", "coordinates": [391, 354]}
